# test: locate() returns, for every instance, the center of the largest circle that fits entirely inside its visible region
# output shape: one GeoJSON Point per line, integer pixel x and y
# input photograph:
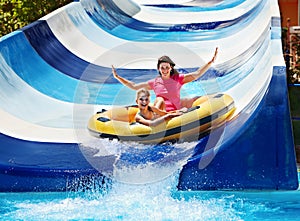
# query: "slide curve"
{"type": "Point", "coordinates": [56, 73]}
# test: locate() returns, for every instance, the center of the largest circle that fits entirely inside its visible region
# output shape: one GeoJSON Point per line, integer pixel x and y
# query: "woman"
{"type": "Point", "coordinates": [150, 116]}
{"type": "Point", "coordinates": [167, 86]}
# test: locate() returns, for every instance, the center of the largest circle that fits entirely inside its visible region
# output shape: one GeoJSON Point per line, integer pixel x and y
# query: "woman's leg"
{"type": "Point", "coordinates": [160, 103]}
{"type": "Point", "coordinates": [191, 102]}
{"type": "Point", "coordinates": [187, 102]}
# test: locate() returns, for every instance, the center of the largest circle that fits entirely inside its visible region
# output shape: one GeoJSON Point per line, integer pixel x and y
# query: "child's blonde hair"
{"type": "Point", "coordinates": [142, 90]}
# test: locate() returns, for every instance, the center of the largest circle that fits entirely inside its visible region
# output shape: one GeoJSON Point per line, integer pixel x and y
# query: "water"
{"type": "Point", "coordinates": [135, 163]}
{"type": "Point", "coordinates": [145, 189]}
{"type": "Point", "coordinates": [155, 201]}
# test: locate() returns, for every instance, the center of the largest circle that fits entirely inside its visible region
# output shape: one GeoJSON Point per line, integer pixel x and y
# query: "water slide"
{"type": "Point", "coordinates": [56, 73]}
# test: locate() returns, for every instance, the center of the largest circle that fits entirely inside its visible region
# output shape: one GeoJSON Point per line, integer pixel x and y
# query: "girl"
{"type": "Point", "coordinates": [168, 84]}
{"type": "Point", "coordinates": [150, 116]}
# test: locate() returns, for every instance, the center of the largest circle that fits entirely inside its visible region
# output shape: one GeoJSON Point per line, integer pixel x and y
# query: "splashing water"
{"type": "Point", "coordinates": [136, 163]}
{"type": "Point", "coordinates": [123, 202]}
{"type": "Point", "coordinates": [155, 201]}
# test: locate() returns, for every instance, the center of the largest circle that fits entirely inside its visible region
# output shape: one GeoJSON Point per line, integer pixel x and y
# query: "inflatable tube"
{"type": "Point", "coordinates": [208, 112]}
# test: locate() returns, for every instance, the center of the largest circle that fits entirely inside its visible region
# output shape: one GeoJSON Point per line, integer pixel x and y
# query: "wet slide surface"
{"type": "Point", "coordinates": [56, 72]}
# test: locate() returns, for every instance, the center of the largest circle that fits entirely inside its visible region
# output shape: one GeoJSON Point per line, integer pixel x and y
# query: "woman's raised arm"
{"type": "Point", "coordinates": [128, 83]}
{"type": "Point", "coordinates": [198, 73]}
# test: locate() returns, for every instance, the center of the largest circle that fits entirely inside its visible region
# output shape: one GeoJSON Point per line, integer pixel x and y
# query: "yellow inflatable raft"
{"type": "Point", "coordinates": [208, 112]}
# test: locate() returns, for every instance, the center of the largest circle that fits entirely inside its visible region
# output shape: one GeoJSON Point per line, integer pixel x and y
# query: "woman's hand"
{"type": "Point", "coordinates": [200, 71]}
{"type": "Point", "coordinates": [215, 55]}
{"type": "Point", "coordinates": [128, 83]}
{"type": "Point", "coordinates": [114, 72]}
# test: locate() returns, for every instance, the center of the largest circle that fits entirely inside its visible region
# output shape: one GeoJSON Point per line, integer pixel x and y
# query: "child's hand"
{"type": "Point", "coordinates": [174, 114]}
{"type": "Point", "coordinates": [183, 110]}
{"type": "Point", "coordinates": [178, 112]}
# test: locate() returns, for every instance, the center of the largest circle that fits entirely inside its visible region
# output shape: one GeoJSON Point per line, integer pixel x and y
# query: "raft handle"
{"type": "Point", "coordinates": [103, 119]}
{"type": "Point", "coordinates": [102, 111]}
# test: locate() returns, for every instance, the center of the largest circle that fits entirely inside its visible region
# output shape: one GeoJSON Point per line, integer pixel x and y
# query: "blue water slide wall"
{"type": "Point", "coordinates": [36, 166]}
{"type": "Point", "coordinates": [42, 70]}
{"type": "Point", "coordinates": [258, 149]}
{"type": "Point", "coordinates": [254, 160]}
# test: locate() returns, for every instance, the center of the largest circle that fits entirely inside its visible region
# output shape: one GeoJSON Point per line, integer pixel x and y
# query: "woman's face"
{"type": "Point", "coordinates": [143, 101]}
{"type": "Point", "coordinates": [165, 69]}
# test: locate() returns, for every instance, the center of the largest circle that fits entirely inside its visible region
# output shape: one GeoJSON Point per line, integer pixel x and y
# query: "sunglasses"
{"type": "Point", "coordinates": [144, 99]}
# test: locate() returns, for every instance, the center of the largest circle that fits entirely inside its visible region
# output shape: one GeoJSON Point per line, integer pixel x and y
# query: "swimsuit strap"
{"type": "Point", "coordinates": [149, 109]}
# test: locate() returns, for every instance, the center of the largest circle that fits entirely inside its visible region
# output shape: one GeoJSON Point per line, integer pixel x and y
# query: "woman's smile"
{"type": "Point", "coordinates": [165, 69]}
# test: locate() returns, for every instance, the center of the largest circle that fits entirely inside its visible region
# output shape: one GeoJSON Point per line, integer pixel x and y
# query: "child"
{"type": "Point", "coordinates": [150, 116]}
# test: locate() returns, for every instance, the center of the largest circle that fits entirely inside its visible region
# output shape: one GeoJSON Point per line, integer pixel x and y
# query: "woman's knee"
{"type": "Point", "coordinates": [187, 102]}
{"type": "Point", "coordinates": [160, 103]}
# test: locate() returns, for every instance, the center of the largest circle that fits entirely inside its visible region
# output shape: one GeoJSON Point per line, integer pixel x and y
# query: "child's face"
{"type": "Point", "coordinates": [143, 101]}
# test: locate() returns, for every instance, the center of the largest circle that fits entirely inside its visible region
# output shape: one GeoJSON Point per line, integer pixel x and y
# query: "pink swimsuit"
{"type": "Point", "coordinates": [169, 90]}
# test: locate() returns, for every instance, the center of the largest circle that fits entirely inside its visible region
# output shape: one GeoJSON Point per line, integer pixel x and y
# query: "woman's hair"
{"type": "Point", "coordinates": [166, 59]}
{"type": "Point", "coordinates": [142, 90]}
